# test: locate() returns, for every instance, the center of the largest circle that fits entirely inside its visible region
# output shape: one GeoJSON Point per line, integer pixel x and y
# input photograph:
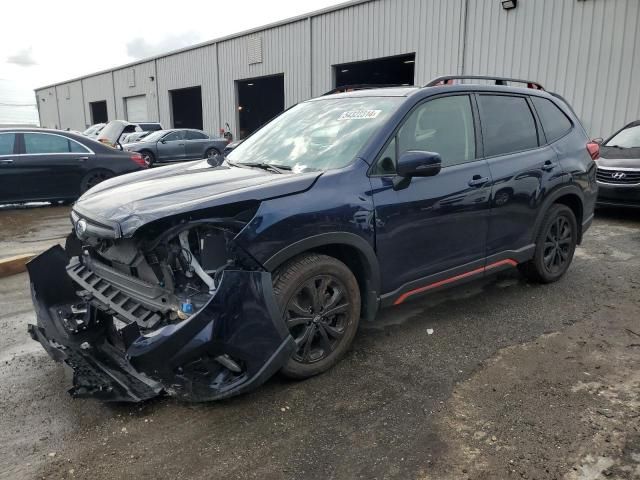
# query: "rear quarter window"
{"type": "Point", "coordinates": [508, 125]}
{"type": "Point", "coordinates": [554, 122]}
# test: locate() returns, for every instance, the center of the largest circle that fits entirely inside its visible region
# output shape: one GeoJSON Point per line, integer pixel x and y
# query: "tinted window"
{"type": "Point", "coordinates": [172, 137]}
{"type": "Point", "coordinates": [42, 143]}
{"type": "Point", "coordinates": [195, 135]}
{"type": "Point", "coordinates": [507, 124]}
{"type": "Point", "coordinates": [386, 164]}
{"type": "Point", "coordinates": [7, 140]}
{"type": "Point", "coordinates": [150, 127]}
{"type": "Point", "coordinates": [443, 125]}
{"type": "Point", "coordinates": [554, 123]}
{"type": "Point", "coordinates": [75, 147]}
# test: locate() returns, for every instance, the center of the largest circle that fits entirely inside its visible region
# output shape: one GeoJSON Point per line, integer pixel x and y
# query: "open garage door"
{"type": "Point", "coordinates": [259, 100]}
{"type": "Point", "coordinates": [98, 112]}
{"type": "Point", "coordinates": [136, 108]}
{"type": "Point", "coordinates": [186, 107]}
{"type": "Point", "coordinates": [398, 70]}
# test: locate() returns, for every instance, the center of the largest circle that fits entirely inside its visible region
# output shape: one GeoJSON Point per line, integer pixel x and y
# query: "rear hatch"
{"type": "Point", "coordinates": [113, 131]}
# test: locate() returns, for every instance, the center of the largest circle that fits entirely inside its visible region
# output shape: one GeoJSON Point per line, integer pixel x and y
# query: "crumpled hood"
{"type": "Point", "coordinates": [139, 198]}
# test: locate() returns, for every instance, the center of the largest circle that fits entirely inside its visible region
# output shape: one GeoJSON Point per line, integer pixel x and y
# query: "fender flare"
{"type": "Point", "coordinates": [550, 199]}
{"type": "Point", "coordinates": [368, 259]}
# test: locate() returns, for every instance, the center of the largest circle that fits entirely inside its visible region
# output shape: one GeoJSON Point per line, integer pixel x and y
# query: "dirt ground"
{"type": "Point", "coordinates": [515, 381]}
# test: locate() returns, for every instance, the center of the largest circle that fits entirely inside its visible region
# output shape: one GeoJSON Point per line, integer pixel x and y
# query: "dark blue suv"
{"type": "Point", "coordinates": [202, 280]}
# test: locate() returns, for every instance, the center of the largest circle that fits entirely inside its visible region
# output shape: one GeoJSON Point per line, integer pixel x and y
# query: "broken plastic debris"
{"type": "Point", "coordinates": [429, 331]}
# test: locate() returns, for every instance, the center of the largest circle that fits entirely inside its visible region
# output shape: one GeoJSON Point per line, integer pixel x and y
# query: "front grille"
{"type": "Point", "coordinates": [618, 177]}
{"type": "Point", "coordinates": [93, 228]}
{"type": "Point", "coordinates": [110, 297]}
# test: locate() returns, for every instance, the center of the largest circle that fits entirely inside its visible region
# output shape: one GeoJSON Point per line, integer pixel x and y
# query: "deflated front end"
{"type": "Point", "coordinates": [177, 310]}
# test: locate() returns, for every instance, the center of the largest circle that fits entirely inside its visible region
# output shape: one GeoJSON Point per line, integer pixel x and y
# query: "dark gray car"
{"type": "Point", "coordinates": [177, 145]}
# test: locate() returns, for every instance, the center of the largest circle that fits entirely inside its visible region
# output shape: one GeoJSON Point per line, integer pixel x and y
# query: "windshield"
{"type": "Point", "coordinates": [154, 137]}
{"type": "Point", "coordinates": [317, 135]}
{"type": "Point", "coordinates": [627, 138]}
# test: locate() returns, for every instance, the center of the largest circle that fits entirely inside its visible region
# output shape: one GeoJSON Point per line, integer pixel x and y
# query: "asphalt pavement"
{"type": "Point", "coordinates": [494, 379]}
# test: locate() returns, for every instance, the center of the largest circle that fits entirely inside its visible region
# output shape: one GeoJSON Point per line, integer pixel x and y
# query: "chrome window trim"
{"type": "Point", "coordinates": [87, 152]}
{"type": "Point", "coordinates": [621, 169]}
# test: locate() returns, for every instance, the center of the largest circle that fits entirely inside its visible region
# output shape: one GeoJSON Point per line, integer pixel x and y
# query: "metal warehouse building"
{"type": "Point", "coordinates": [586, 50]}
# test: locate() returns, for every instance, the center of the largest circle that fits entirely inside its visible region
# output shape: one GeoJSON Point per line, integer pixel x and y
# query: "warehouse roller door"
{"type": "Point", "coordinates": [136, 108]}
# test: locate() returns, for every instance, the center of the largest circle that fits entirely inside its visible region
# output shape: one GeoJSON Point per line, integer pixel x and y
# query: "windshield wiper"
{"type": "Point", "coordinates": [616, 146]}
{"type": "Point", "coordinates": [267, 166]}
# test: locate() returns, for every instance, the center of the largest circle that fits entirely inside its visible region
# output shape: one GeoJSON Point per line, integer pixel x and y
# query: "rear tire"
{"type": "Point", "coordinates": [555, 246]}
{"type": "Point", "coordinates": [93, 178]}
{"type": "Point", "coordinates": [148, 157]}
{"type": "Point", "coordinates": [319, 299]}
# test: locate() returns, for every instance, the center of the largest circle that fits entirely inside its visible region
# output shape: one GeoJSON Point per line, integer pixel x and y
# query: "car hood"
{"type": "Point", "coordinates": [130, 201]}
{"type": "Point", "coordinates": [135, 146]}
{"type": "Point", "coordinates": [619, 158]}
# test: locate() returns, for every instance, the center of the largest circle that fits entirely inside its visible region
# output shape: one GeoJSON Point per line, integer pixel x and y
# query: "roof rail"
{"type": "Point", "coordinates": [449, 79]}
{"type": "Point", "coordinates": [363, 86]}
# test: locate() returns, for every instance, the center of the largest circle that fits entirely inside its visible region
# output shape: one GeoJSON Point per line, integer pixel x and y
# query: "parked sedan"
{"type": "Point", "coordinates": [177, 145]}
{"type": "Point", "coordinates": [40, 165]}
{"type": "Point", "coordinates": [94, 130]}
{"type": "Point", "coordinates": [618, 172]}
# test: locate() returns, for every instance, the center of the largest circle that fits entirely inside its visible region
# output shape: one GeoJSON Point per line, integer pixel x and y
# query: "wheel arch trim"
{"type": "Point", "coordinates": [368, 258]}
{"type": "Point", "coordinates": [551, 198]}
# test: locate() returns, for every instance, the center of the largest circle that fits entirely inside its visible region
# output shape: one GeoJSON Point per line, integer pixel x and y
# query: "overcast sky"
{"type": "Point", "coordinates": [43, 42]}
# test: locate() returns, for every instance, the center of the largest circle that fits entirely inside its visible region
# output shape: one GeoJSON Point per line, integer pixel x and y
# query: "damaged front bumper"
{"type": "Point", "coordinates": [240, 323]}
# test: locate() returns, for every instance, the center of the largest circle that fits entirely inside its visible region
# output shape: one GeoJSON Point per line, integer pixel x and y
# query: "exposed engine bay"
{"type": "Point", "coordinates": [178, 306]}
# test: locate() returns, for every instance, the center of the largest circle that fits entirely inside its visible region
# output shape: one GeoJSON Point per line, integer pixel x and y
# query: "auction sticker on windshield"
{"type": "Point", "coordinates": [359, 114]}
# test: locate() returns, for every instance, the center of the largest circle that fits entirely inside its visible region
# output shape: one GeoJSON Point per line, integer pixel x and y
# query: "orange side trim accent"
{"type": "Point", "coordinates": [446, 281]}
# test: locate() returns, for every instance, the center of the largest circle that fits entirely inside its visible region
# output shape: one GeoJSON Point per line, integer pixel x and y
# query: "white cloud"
{"type": "Point", "coordinates": [23, 58]}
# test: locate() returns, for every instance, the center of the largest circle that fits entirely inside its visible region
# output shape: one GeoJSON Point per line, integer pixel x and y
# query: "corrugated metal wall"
{"type": "Point", "coordinates": [432, 29]}
{"type": "Point", "coordinates": [48, 108]}
{"type": "Point", "coordinates": [192, 68]}
{"type": "Point", "coordinates": [70, 103]}
{"type": "Point", "coordinates": [97, 88]}
{"type": "Point", "coordinates": [142, 85]}
{"type": "Point", "coordinates": [587, 51]}
{"type": "Point", "coordinates": [285, 50]}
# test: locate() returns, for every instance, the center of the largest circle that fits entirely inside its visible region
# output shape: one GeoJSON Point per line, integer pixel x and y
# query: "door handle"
{"type": "Point", "coordinates": [549, 165]}
{"type": "Point", "coordinates": [83, 159]}
{"type": "Point", "coordinates": [478, 181]}
{"type": "Point", "coordinates": [6, 161]}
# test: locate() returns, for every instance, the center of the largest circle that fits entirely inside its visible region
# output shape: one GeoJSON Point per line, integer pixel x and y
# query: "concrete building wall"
{"type": "Point", "coordinates": [70, 103]}
{"type": "Point", "coordinates": [97, 88]}
{"type": "Point", "coordinates": [140, 79]}
{"type": "Point", "coordinates": [588, 51]}
{"type": "Point", "coordinates": [48, 107]}
{"type": "Point", "coordinates": [192, 68]}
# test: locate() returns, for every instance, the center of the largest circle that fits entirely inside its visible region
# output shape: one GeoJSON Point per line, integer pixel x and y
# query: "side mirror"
{"type": "Point", "coordinates": [415, 163]}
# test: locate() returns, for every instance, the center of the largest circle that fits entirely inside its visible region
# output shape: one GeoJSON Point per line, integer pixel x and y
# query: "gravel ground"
{"type": "Point", "coordinates": [515, 381]}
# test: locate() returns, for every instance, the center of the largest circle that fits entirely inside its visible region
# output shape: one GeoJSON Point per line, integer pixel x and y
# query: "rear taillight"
{"type": "Point", "coordinates": [137, 158]}
{"type": "Point", "coordinates": [594, 150]}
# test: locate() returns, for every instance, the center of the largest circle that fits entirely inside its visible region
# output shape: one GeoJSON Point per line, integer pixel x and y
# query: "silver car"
{"type": "Point", "coordinates": [177, 145]}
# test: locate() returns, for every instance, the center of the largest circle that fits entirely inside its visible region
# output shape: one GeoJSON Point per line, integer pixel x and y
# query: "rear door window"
{"type": "Point", "coordinates": [554, 122]}
{"type": "Point", "coordinates": [7, 142]}
{"type": "Point", "coordinates": [508, 125]}
{"type": "Point", "coordinates": [195, 135]}
{"type": "Point", "coordinates": [35, 143]}
{"type": "Point", "coordinates": [175, 136]}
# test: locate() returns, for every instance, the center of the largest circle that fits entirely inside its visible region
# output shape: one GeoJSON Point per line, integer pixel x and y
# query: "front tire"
{"type": "Point", "coordinates": [320, 303]}
{"type": "Point", "coordinates": [555, 245]}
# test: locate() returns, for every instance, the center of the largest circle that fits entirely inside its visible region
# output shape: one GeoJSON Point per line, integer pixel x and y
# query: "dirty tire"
{"type": "Point", "coordinates": [323, 323]}
{"type": "Point", "coordinates": [555, 246]}
{"type": "Point", "coordinates": [148, 157]}
{"type": "Point", "coordinates": [93, 178]}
